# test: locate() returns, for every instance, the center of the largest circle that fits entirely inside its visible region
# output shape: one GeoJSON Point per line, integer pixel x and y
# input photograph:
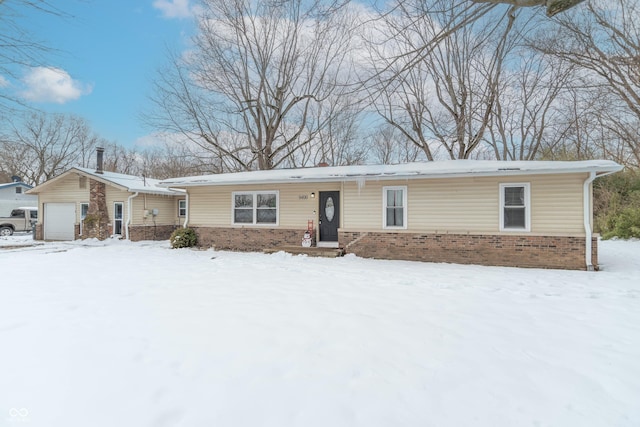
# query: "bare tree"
{"type": "Point", "coordinates": [528, 108]}
{"type": "Point", "coordinates": [171, 160]}
{"type": "Point", "coordinates": [447, 99]}
{"type": "Point", "coordinates": [258, 71]}
{"type": "Point", "coordinates": [340, 139]}
{"type": "Point", "coordinates": [603, 41]}
{"type": "Point", "coordinates": [42, 146]}
{"type": "Point", "coordinates": [575, 134]}
{"type": "Point", "coordinates": [389, 146]}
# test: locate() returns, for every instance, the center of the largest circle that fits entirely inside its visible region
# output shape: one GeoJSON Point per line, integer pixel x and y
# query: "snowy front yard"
{"type": "Point", "coordinates": [136, 334]}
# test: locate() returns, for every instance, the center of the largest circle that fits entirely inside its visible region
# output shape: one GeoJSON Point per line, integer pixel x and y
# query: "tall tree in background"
{"type": "Point", "coordinates": [528, 109]}
{"type": "Point", "coordinates": [602, 39]}
{"type": "Point", "coordinates": [257, 73]}
{"type": "Point", "coordinates": [446, 100]}
{"type": "Point", "coordinates": [388, 146]}
{"type": "Point", "coordinates": [41, 146]}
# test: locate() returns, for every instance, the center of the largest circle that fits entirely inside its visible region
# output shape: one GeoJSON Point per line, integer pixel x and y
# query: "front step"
{"type": "Point", "coordinates": [315, 251]}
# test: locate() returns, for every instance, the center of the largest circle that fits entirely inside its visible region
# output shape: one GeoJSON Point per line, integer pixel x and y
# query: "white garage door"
{"type": "Point", "coordinates": [59, 221]}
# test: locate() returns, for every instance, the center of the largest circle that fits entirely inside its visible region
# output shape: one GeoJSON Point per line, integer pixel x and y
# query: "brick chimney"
{"type": "Point", "coordinates": [96, 223]}
{"type": "Point", "coordinates": [99, 159]}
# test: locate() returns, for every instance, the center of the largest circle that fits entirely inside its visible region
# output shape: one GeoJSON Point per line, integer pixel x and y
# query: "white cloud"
{"type": "Point", "coordinates": [49, 84]}
{"type": "Point", "coordinates": [3, 82]}
{"type": "Point", "coordinates": [173, 8]}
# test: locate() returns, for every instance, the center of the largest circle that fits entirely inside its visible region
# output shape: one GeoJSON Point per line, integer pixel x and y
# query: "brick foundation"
{"type": "Point", "coordinates": [560, 252]}
{"type": "Point", "coordinates": [150, 232]}
{"type": "Point", "coordinates": [247, 239]}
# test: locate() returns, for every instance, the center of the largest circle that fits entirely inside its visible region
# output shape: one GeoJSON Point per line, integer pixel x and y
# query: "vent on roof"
{"type": "Point", "coordinates": [16, 178]}
{"type": "Point", "coordinates": [508, 169]}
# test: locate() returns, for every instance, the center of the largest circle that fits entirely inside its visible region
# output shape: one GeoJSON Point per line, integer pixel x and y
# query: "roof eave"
{"type": "Point", "coordinates": [399, 177]}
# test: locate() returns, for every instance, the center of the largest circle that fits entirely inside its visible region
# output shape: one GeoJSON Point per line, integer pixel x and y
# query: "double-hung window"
{"type": "Point", "coordinates": [515, 207]}
{"type": "Point", "coordinates": [255, 207]}
{"type": "Point", "coordinates": [182, 207]}
{"type": "Point", "coordinates": [394, 207]}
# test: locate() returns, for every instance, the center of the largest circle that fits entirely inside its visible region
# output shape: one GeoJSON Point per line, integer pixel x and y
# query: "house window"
{"type": "Point", "coordinates": [84, 209]}
{"type": "Point", "coordinates": [257, 207]}
{"type": "Point", "coordinates": [394, 207]}
{"type": "Point", "coordinates": [118, 213]}
{"type": "Point", "coordinates": [182, 207]}
{"type": "Point", "coordinates": [18, 190]}
{"type": "Point", "coordinates": [515, 207]}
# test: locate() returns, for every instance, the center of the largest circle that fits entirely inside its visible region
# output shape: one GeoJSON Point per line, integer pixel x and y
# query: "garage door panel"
{"type": "Point", "coordinates": [59, 221]}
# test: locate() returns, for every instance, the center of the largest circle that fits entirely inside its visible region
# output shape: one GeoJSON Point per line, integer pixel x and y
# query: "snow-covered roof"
{"type": "Point", "coordinates": [131, 182]}
{"type": "Point", "coordinates": [422, 170]}
{"type": "Point", "coordinates": [15, 184]}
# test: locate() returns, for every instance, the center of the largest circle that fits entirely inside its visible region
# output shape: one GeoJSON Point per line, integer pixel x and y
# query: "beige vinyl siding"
{"type": "Point", "coordinates": [167, 209]}
{"type": "Point", "coordinates": [437, 205]}
{"type": "Point", "coordinates": [66, 190]}
{"type": "Point", "coordinates": [453, 205]}
{"type": "Point", "coordinates": [469, 205]}
{"type": "Point", "coordinates": [115, 195]}
{"type": "Point", "coordinates": [212, 206]}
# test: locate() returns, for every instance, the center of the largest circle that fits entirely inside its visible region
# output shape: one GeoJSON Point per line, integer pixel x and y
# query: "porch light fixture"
{"type": "Point", "coordinates": [313, 195]}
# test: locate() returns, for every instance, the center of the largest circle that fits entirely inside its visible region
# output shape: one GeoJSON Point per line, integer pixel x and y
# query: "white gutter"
{"type": "Point", "coordinates": [186, 216]}
{"type": "Point", "coordinates": [587, 215]}
{"type": "Point", "coordinates": [129, 209]}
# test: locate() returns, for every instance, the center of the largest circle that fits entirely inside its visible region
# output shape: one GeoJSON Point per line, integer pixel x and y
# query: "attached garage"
{"type": "Point", "coordinates": [59, 221]}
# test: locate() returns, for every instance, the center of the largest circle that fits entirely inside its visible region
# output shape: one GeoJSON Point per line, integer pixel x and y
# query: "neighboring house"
{"type": "Point", "coordinates": [13, 195]}
{"type": "Point", "coordinates": [521, 213]}
{"type": "Point", "coordinates": [84, 203]}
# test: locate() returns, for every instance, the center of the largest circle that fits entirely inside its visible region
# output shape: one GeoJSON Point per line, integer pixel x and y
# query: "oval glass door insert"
{"type": "Point", "coordinates": [329, 209]}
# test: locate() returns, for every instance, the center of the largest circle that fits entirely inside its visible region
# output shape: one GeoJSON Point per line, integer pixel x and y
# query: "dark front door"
{"type": "Point", "coordinates": [329, 216]}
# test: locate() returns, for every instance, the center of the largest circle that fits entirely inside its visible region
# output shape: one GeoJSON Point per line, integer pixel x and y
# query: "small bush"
{"type": "Point", "coordinates": [183, 238]}
{"type": "Point", "coordinates": [625, 225]}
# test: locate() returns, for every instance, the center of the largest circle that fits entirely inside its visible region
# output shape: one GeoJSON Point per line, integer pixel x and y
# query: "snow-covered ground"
{"type": "Point", "coordinates": [136, 334]}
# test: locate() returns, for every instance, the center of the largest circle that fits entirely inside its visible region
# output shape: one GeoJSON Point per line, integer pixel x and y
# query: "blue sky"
{"type": "Point", "coordinates": [108, 54]}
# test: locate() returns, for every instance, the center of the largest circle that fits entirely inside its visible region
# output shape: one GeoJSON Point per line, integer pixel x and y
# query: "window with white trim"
{"type": "Point", "coordinates": [182, 207]}
{"type": "Point", "coordinates": [515, 207]}
{"type": "Point", "coordinates": [255, 207]}
{"type": "Point", "coordinates": [394, 207]}
{"type": "Point", "coordinates": [84, 210]}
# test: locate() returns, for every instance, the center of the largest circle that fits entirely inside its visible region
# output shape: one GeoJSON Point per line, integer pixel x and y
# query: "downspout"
{"type": "Point", "coordinates": [587, 217]}
{"type": "Point", "coordinates": [186, 215]}
{"type": "Point", "coordinates": [129, 209]}
{"type": "Point", "coordinates": [586, 206]}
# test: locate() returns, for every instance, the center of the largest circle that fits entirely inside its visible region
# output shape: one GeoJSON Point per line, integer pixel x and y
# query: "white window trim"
{"type": "Point", "coordinates": [404, 207]}
{"type": "Point", "coordinates": [255, 208]}
{"type": "Point", "coordinates": [81, 218]}
{"type": "Point", "coordinates": [179, 208]}
{"type": "Point", "coordinates": [122, 223]}
{"type": "Point", "coordinates": [527, 207]}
